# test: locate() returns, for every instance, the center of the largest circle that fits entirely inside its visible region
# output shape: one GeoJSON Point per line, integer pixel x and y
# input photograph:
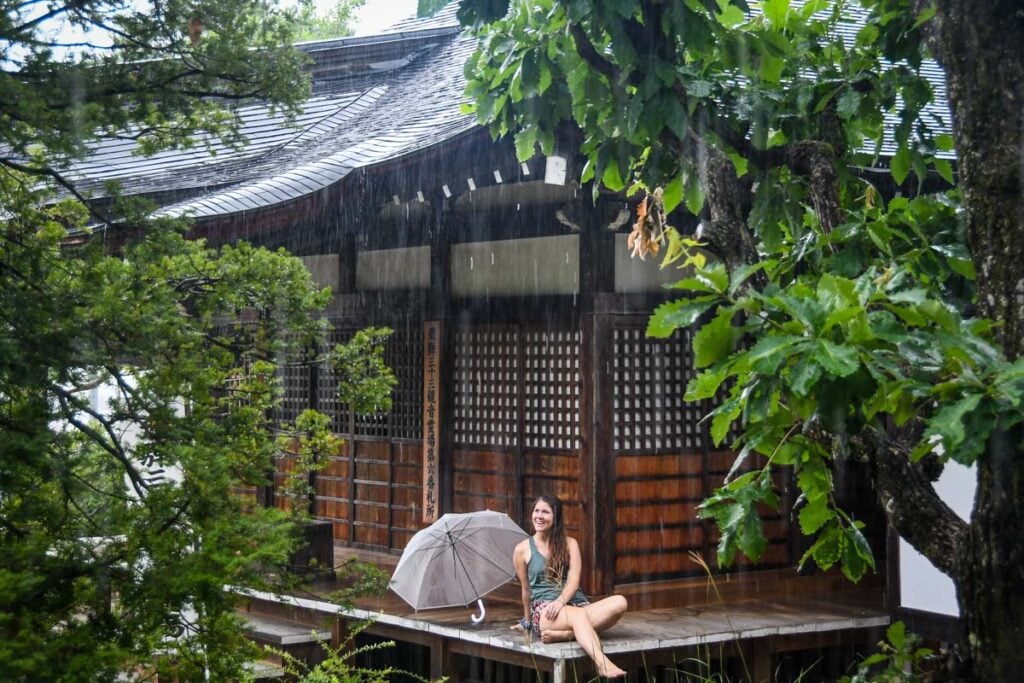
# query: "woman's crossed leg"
{"type": "Point", "coordinates": [583, 624]}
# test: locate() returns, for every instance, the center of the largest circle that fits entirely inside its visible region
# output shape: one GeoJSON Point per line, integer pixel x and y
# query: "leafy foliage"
{"type": "Point", "coordinates": [119, 527]}
{"type": "Point", "coordinates": [900, 659]}
{"type": "Point", "coordinates": [144, 70]}
{"type": "Point", "coordinates": [364, 379]}
{"type": "Point", "coordinates": [340, 665]}
{"type": "Point", "coordinates": [830, 312]}
{"type": "Point", "coordinates": [335, 23]}
{"type": "Point", "coordinates": [138, 369]}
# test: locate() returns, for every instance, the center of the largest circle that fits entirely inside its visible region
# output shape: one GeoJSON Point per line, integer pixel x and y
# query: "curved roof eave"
{"type": "Point", "coordinates": [308, 179]}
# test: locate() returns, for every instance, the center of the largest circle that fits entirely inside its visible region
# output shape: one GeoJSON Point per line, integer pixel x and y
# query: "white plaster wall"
{"type": "Point", "coordinates": [523, 267]}
{"type": "Point", "coordinates": [407, 268]}
{"type": "Point", "coordinates": [922, 586]}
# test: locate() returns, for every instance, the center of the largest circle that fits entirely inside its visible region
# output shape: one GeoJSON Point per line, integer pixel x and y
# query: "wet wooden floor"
{"type": "Point", "coordinates": [755, 627]}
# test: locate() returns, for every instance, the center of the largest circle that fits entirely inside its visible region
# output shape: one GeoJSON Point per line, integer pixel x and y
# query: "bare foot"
{"type": "Point", "coordinates": [553, 636]}
{"type": "Point", "coordinates": [609, 670]}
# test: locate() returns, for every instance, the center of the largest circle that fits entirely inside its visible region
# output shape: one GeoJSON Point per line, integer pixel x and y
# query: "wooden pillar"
{"type": "Point", "coordinates": [438, 312]}
{"type": "Point", "coordinates": [597, 466]}
{"type": "Point", "coordinates": [346, 264]}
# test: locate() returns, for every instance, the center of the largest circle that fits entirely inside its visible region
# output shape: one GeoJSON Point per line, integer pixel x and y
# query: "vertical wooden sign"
{"type": "Point", "coordinates": [431, 417]}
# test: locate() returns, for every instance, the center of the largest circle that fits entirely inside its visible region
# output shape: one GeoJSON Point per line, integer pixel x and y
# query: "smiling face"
{"type": "Point", "coordinates": [543, 516]}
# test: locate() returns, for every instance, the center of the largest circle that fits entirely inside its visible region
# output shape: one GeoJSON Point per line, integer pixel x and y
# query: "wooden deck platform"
{"type": "Point", "coordinates": [752, 629]}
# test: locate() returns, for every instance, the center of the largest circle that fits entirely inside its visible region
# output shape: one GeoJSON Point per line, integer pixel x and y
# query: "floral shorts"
{"type": "Point", "coordinates": [537, 606]}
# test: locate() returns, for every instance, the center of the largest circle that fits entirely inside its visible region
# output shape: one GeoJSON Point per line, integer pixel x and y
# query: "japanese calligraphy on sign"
{"type": "Point", "coordinates": [431, 418]}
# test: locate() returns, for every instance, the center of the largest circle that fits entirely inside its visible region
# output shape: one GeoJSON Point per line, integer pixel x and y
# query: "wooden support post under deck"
{"type": "Point", "coordinates": [441, 661]}
{"type": "Point", "coordinates": [558, 671]}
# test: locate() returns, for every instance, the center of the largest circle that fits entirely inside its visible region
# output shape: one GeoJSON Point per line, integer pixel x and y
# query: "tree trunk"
{"type": "Point", "coordinates": [979, 46]}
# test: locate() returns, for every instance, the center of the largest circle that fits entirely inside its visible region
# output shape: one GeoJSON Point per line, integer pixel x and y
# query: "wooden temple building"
{"type": "Point", "coordinates": [519, 343]}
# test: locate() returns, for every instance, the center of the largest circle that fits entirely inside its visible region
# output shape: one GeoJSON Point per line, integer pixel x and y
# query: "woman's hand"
{"type": "Point", "coordinates": [553, 608]}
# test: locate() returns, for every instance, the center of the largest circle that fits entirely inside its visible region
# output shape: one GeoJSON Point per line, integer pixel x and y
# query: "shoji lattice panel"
{"type": "Point", "coordinates": [327, 383]}
{"type": "Point", "coordinates": [404, 355]}
{"type": "Point", "coordinates": [403, 352]}
{"type": "Point", "coordinates": [295, 385]}
{"type": "Point", "coordinates": [649, 379]}
{"type": "Point", "coordinates": [486, 391]}
{"type": "Point", "coordinates": [551, 379]}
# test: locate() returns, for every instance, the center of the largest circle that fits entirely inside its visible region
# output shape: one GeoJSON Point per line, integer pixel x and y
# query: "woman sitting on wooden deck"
{"type": "Point", "coordinates": [548, 565]}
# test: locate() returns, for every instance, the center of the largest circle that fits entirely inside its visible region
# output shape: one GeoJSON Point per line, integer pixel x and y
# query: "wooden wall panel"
{"type": "Point", "coordinates": [646, 541]}
{"type": "Point", "coordinates": [684, 464]}
{"type": "Point", "coordinates": [656, 499]}
{"type": "Point", "coordinates": [494, 484]}
{"type": "Point", "coordinates": [406, 497]}
{"type": "Point", "coordinates": [664, 563]}
{"type": "Point", "coordinates": [372, 514]}
{"type": "Point", "coordinates": [373, 536]}
{"type": "Point", "coordinates": [374, 471]}
{"type": "Point", "coordinates": [667, 489]}
{"type": "Point", "coordinates": [386, 493]}
{"type": "Point", "coordinates": [374, 493]}
{"type": "Point", "coordinates": [468, 502]}
{"type": "Point", "coordinates": [653, 514]}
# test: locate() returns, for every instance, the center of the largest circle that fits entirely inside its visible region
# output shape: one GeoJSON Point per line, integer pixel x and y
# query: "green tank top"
{"type": "Point", "coordinates": [543, 588]}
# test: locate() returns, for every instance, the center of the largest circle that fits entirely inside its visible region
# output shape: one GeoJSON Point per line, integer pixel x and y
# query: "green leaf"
{"type": "Point", "coordinates": [771, 67]}
{"type": "Point", "coordinates": [694, 197]}
{"type": "Point", "coordinates": [673, 193]}
{"type": "Point", "coordinates": [545, 77]}
{"type": "Point", "coordinates": [723, 418]}
{"type": "Point", "coordinates": [714, 340]}
{"type": "Point", "coordinates": [848, 104]}
{"type": "Point", "coordinates": [900, 165]}
{"type": "Point", "coordinates": [827, 549]}
{"type": "Point", "coordinates": [770, 352]}
{"type": "Point", "coordinates": [776, 11]}
{"type": "Point", "coordinates": [944, 168]}
{"type": "Point", "coordinates": [611, 177]}
{"type": "Point", "coordinates": [936, 312]}
{"type": "Point", "coordinates": [945, 432]}
{"type": "Point", "coordinates": [813, 7]}
{"type": "Point", "coordinates": [698, 88]}
{"type": "Point", "coordinates": [944, 142]}
{"type": "Point", "coordinates": [739, 162]}
{"type": "Point", "coordinates": [526, 140]}
{"type": "Point", "coordinates": [715, 276]}
{"type": "Point", "coordinates": [815, 514]}
{"type": "Point", "coordinates": [897, 634]}
{"type": "Point", "coordinates": [742, 274]}
{"type": "Point", "coordinates": [803, 375]}
{"type": "Point", "coordinates": [962, 267]}
{"type": "Point", "coordinates": [731, 16]}
{"type": "Point", "coordinates": [839, 361]}
{"type": "Point", "coordinates": [857, 555]}
{"type": "Point", "coordinates": [681, 313]}
{"type": "Point", "coordinates": [706, 384]}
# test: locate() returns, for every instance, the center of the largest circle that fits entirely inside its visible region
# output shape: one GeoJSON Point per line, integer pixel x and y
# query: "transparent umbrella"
{"type": "Point", "coordinates": [456, 560]}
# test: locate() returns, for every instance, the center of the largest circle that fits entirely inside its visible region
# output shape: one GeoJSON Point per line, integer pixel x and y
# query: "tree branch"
{"type": "Point", "coordinates": [914, 509]}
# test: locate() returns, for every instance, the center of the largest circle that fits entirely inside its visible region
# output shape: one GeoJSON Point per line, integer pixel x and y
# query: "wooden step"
{"type": "Point", "coordinates": [266, 670]}
{"type": "Point", "coordinates": [301, 641]}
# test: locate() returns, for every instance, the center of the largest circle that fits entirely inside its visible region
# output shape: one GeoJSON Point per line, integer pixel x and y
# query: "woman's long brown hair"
{"type": "Point", "coordinates": [558, 564]}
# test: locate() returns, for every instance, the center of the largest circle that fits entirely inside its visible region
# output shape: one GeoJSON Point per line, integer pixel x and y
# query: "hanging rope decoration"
{"type": "Point", "coordinates": [649, 230]}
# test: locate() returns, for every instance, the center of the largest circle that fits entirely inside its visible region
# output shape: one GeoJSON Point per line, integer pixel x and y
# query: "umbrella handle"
{"type": "Point", "coordinates": [477, 618]}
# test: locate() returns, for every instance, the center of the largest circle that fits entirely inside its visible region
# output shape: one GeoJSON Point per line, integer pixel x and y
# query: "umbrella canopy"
{"type": "Point", "coordinates": [457, 559]}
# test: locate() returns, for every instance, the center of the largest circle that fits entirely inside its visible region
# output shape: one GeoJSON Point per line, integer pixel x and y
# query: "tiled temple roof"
{"type": "Point", "coordinates": [375, 99]}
